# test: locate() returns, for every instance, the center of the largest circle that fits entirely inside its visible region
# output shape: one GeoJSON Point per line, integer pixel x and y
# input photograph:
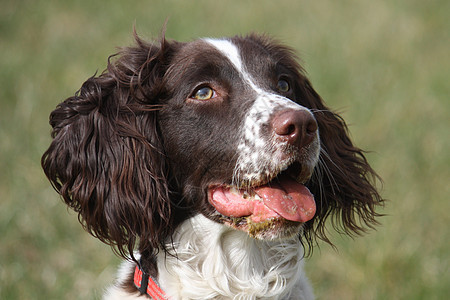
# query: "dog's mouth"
{"type": "Point", "coordinates": [282, 199]}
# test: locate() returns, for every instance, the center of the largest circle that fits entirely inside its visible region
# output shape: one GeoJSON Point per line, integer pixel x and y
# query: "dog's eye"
{"type": "Point", "coordinates": [283, 86]}
{"type": "Point", "coordinates": [204, 93]}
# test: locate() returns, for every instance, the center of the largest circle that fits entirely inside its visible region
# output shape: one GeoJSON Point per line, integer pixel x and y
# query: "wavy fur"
{"type": "Point", "coordinates": [134, 159]}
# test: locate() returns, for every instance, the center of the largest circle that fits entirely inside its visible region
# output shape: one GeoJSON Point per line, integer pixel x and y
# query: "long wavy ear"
{"type": "Point", "coordinates": [343, 183]}
{"type": "Point", "coordinates": [106, 159]}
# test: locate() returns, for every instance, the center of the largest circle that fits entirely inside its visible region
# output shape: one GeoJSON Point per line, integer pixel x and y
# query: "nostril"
{"type": "Point", "coordinates": [311, 127]}
{"type": "Point", "coordinates": [283, 125]}
{"type": "Point", "coordinates": [291, 129]}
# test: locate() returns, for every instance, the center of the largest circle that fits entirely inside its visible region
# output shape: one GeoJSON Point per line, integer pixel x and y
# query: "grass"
{"type": "Point", "coordinates": [384, 64]}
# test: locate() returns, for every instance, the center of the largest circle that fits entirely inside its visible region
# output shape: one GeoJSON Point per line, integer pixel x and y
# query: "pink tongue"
{"type": "Point", "coordinates": [286, 198]}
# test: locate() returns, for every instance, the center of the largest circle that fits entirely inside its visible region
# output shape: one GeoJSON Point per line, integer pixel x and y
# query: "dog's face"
{"type": "Point", "coordinates": [228, 128]}
{"type": "Point", "coordinates": [239, 139]}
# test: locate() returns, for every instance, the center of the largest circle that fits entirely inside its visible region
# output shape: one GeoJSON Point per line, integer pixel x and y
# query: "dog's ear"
{"type": "Point", "coordinates": [344, 184]}
{"type": "Point", "coordinates": [106, 159]}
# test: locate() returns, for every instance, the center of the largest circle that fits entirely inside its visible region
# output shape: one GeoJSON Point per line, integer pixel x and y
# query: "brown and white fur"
{"type": "Point", "coordinates": [200, 160]}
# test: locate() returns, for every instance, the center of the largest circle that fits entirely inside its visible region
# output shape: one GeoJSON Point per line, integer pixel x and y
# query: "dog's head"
{"type": "Point", "coordinates": [228, 128]}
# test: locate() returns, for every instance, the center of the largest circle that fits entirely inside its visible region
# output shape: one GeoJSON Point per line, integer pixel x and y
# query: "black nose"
{"type": "Point", "coordinates": [297, 127]}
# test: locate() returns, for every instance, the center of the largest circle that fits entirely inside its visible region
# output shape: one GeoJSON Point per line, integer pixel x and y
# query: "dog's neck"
{"type": "Point", "coordinates": [211, 260]}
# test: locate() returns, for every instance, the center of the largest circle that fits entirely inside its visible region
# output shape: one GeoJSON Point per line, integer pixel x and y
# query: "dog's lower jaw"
{"type": "Point", "coordinates": [213, 261]}
{"type": "Point", "coordinates": [267, 230]}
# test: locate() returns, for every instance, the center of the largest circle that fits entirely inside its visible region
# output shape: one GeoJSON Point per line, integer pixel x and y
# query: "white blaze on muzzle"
{"type": "Point", "coordinates": [257, 156]}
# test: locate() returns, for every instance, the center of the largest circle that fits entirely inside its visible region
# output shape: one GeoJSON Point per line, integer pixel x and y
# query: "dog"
{"type": "Point", "coordinates": [210, 166]}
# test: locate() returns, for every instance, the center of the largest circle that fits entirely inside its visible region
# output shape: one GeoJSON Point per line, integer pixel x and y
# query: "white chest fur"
{"type": "Point", "coordinates": [212, 261]}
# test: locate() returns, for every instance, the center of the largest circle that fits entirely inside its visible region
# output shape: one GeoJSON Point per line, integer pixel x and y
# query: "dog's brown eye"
{"type": "Point", "coordinates": [283, 86]}
{"type": "Point", "coordinates": [204, 93]}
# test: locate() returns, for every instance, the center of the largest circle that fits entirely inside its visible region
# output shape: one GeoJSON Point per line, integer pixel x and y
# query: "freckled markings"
{"type": "Point", "coordinates": [255, 158]}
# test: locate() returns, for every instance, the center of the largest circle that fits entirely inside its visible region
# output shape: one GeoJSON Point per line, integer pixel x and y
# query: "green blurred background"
{"type": "Point", "coordinates": [383, 64]}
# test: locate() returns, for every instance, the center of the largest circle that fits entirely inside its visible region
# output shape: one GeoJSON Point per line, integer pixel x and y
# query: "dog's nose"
{"type": "Point", "coordinates": [297, 127]}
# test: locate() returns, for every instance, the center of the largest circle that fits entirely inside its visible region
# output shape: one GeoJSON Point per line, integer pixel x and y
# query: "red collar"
{"type": "Point", "coordinates": [146, 284]}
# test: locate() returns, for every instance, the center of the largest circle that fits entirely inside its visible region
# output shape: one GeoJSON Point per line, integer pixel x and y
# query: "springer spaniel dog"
{"type": "Point", "coordinates": [208, 166]}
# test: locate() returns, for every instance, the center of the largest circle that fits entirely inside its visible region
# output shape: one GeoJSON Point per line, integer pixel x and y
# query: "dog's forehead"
{"type": "Point", "coordinates": [227, 49]}
{"type": "Point", "coordinates": [233, 53]}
